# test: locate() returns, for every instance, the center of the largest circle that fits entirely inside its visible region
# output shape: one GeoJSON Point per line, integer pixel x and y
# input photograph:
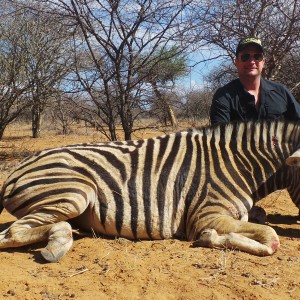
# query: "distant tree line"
{"type": "Point", "coordinates": [117, 63]}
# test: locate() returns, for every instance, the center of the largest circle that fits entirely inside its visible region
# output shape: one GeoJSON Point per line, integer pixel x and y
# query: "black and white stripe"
{"type": "Point", "coordinates": [287, 178]}
{"type": "Point", "coordinates": [157, 188]}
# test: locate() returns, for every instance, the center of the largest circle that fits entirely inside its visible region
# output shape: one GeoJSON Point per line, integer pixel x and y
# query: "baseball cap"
{"type": "Point", "coordinates": [249, 41]}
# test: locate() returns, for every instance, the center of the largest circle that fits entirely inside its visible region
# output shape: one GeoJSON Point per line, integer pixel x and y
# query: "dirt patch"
{"type": "Point", "coordinates": [99, 268]}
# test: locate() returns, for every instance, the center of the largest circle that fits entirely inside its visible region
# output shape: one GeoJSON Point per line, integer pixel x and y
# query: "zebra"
{"type": "Point", "coordinates": [196, 185]}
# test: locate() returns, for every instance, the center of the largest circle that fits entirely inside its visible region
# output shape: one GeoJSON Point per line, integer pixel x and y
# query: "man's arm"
{"type": "Point", "coordinates": [293, 109]}
{"type": "Point", "coordinates": [220, 112]}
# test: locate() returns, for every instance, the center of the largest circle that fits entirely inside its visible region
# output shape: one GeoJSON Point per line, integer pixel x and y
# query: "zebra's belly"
{"type": "Point", "coordinates": [90, 221]}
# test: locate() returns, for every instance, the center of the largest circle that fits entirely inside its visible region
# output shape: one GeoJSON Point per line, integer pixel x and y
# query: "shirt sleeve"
{"type": "Point", "coordinates": [220, 112]}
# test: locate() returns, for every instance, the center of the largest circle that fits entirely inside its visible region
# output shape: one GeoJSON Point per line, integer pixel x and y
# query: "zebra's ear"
{"type": "Point", "coordinates": [294, 159]}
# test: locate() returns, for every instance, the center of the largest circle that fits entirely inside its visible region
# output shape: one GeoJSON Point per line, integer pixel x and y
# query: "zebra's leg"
{"type": "Point", "coordinates": [28, 231]}
{"type": "Point", "coordinates": [226, 232]}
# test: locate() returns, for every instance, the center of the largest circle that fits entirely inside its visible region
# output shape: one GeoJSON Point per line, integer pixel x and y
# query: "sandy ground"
{"type": "Point", "coordinates": [99, 268]}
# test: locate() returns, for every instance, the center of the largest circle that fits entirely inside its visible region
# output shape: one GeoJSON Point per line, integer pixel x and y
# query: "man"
{"type": "Point", "coordinates": [250, 97]}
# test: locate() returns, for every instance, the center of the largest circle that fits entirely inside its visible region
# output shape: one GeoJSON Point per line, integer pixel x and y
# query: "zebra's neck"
{"type": "Point", "coordinates": [253, 154]}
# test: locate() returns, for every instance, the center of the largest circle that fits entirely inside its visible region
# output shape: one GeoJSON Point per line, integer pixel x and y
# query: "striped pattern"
{"type": "Point", "coordinates": [157, 188]}
{"type": "Point", "coordinates": [288, 178]}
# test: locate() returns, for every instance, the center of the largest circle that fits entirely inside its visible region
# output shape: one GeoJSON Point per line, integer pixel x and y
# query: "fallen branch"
{"type": "Point", "coordinates": [79, 272]}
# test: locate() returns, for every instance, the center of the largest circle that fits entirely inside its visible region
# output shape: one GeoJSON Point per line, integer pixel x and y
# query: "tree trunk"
{"type": "Point", "coordinates": [112, 131]}
{"type": "Point", "coordinates": [165, 106]}
{"type": "Point", "coordinates": [171, 115]}
{"type": "Point", "coordinates": [127, 125]}
{"type": "Point", "coordinates": [36, 121]}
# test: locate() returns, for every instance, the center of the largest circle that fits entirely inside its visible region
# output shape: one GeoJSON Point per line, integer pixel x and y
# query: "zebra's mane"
{"type": "Point", "coordinates": [281, 130]}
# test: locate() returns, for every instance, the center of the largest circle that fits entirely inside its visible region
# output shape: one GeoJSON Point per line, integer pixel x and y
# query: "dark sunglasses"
{"type": "Point", "coordinates": [257, 57]}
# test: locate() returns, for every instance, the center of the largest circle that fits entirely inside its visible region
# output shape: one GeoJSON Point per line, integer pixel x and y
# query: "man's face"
{"type": "Point", "coordinates": [250, 62]}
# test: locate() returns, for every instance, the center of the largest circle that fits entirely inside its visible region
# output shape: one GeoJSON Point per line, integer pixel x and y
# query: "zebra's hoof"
{"type": "Point", "coordinates": [54, 252]}
{"type": "Point", "coordinates": [51, 257]}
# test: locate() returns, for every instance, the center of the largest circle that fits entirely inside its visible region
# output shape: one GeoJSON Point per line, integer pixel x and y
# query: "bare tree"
{"type": "Point", "coordinates": [289, 73]}
{"type": "Point", "coordinates": [64, 113]}
{"type": "Point", "coordinates": [114, 35]}
{"type": "Point", "coordinates": [276, 22]}
{"type": "Point", "coordinates": [221, 75]}
{"type": "Point", "coordinates": [197, 105]}
{"type": "Point", "coordinates": [14, 88]}
{"type": "Point", "coordinates": [45, 48]}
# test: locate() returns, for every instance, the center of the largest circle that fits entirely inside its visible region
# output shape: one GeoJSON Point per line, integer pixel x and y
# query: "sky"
{"type": "Point", "coordinates": [196, 79]}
